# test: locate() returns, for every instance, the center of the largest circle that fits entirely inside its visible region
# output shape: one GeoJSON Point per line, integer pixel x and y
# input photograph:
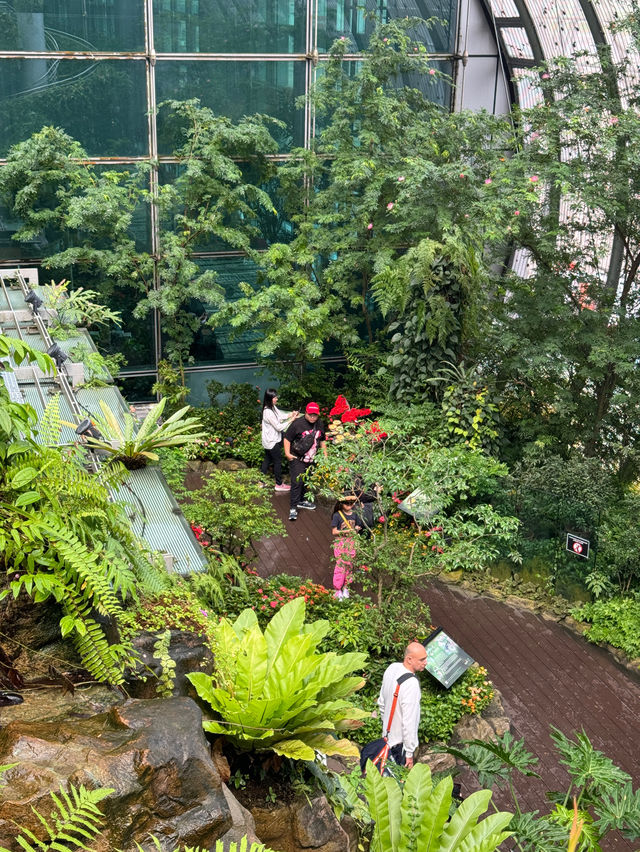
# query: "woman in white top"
{"type": "Point", "coordinates": [274, 423]}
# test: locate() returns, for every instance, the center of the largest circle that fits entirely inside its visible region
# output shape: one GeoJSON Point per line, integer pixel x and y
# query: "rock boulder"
{"type": "Point", "coordinates": [153, 753]}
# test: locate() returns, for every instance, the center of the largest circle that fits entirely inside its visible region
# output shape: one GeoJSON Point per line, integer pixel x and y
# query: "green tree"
{"type": "Point", "coordinates": [565, 337]}
{"type": "Point", "coordinates": [86, 213]}
{"type": "Point", "coordinates": [390, 170]}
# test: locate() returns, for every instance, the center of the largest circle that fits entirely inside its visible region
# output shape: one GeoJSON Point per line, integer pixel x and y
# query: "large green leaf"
{"type": "Point", "coordinates": [464, 820]}
{"type": "Point", "coordinates": [245, 621]}
{"type": "Point", "coordinates": [385, 800]}
{"type": "Point", "coordinates": [287, 622]}
{"type": "Point", "coordinates": [251, 664]}
{"type": "Point", "coordinates": [418, 820]}
{"type": "Point", "coordinates": [293, 748]}
{"type": "Point", "coordinates": [294, 664]}
{"type": "Point", "coordinates": [487, 835]}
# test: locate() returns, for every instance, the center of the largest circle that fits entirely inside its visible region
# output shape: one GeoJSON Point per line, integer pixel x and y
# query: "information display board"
{"type": "Point", "coordinates": [420, 506]}
{"type": "Point", "coordinates": [446, 660]}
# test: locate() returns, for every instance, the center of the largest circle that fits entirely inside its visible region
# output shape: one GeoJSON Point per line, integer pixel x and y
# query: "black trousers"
{"type": "Point", "coordinates": [298, 488]}
{"type": "Point", "coordinates": [273, 457]}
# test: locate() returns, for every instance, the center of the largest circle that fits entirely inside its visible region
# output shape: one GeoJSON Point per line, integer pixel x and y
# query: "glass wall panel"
{"type": "Point", "coordinates": [267, 227]}
{"type": "Point", "coordinates": [355, 20]}
{"type": "Point", "coordinates": [137, 388]}
{"type": "Point", "coordinates": [220, 346]}
{"type": "Point", "coordinates": [229, 26]}
{"type": "Point", "coordinates": [436, 88]}
{"type": "Point", "coordinates": [234, 89]}
{"type": "Point", "coordinates": [101, 104]}
{"type": "Point", "coordinates": [135, 338]}
{"type": "Point", "coordinates": [81, 25]}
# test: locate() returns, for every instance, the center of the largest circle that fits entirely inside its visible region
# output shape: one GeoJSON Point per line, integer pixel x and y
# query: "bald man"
{"type": "Point", "coordinates": [403, 737]}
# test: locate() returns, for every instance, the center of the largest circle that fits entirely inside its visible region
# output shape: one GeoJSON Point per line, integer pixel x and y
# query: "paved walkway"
{"type": "Point", "coordinates": [547, 675]}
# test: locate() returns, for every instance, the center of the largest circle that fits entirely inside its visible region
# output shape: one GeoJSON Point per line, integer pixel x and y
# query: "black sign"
{"type": "Point", "coordinates": [446, 660]}
{"type": "Point", "coordinates": [577, 545]}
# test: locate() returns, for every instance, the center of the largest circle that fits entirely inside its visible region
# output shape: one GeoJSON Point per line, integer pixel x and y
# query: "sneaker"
{"type": "Point", "coordinates": [282, 487]}
{"type": "Point", "coordinates": [306, 504]}
{"type": "Point", "coordinates": [293, 515]}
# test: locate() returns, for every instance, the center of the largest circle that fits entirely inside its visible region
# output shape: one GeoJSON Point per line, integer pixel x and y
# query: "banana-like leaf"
{"type": "Point", "coordinates": [417, 826]}
{"type": "Point", "coordinates": [245, 621]}
{"type": "Point", "coordinates": [385, 801]}
{"type": "Point", "coordinates": [111, 420]}
{"type": "Point", "coordinates": [487, 835]}
{"type": "Point", "coordinates": [464, 820]}
{"type": "Point", "coordinates": [153, 415]}
{"type": "Point", "coordinates": [295, 749]}
{"type": "Point", "coordinates": [219, 728]}
{"type": "Point", "coordinates": [328, 744]}
{"type": "Point", "coordinates": [292, 667]}
{"type": "Point", "coordinates": [317, 629]}
{"type": "Point", "coordinates": [251, 665]}
{"type": "Point", "coordinates": [434, 804]}
{"type": "Point", "coordinates": [287, 622]}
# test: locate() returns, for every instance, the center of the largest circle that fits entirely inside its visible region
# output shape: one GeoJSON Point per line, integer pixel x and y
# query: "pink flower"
{"type": "Point", "coordinates": [466, 215]}
{"type": "Point", "coordinates": [370, 226]}
{"type": "Point", "coordinates": [415, 49]}
{"type": "Point", "coordinates": [534, 178]}
{"type": "Point", "coordinates": [488, 181]}
{"type": "Point", "coordinates": [259, 591]}
{"type": "Point", "coordinates": [432, 71]}
{"type": "Point", "coordinates": [274, 604]}
{"type": "Point", "coordinates": [535, 135]}
{"type": "Point", "coordinates": [613, 119]}
{"type": "Point", "coordinates": [204, 612]}
{"type": "Point", "coordinates": [382, 519]}
{"type": "Point", "coordinates": [342, 38]}
{"type": "Point", "coordinates": [390, 205]}
{"type": "Point", "coordinates": [516, 212]}
{"type": "Point", "coordinates": [545, 76]}
{"type": "Point", "coordinates": [401, 178]}
{"type": "Point", "coordinates": [385, 40]}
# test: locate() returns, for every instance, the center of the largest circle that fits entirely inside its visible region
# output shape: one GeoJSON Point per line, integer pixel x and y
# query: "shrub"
{"type": "Point", "coordinates": [615, 621]}
{"type": "Point", "coordinates": [231, 508]}
{"type": "Point", "coordinates": [273, 691]}
{"type": "Point", "coordinates": [175, 609]}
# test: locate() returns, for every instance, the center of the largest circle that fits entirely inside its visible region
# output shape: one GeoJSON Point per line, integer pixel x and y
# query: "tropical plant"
{"type": "Point", "coordinates": [602, 792]}
{"type": "Point", "coordinates": [61, 537]}
{"type": "Point", "coordinates": [75, 820]}
{"type": "Point", "coordinates": [453, 523]}
{"type": "Point", "coordinates": [75, 308]}
{"type": "Point", "coordinates": [415, 817]}
{"type": "Point", "coordinates": [243, 845]}
{"type": "Point", "coordinates": [615, 621]}
{"type": "Point", "coordinates": [232, 509]}
{"type": "Point", "coordinates": [273, 691]}
{"type": "Point", "coordinates": [134, 447]}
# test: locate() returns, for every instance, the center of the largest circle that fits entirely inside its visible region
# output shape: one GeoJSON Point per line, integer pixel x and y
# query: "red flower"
{"type": "Point", "coordinates": [350, 415]}
{"type": "Point", "coordinates": [340, 405]}
{"type": "Point", "coordinates": [273, 604]}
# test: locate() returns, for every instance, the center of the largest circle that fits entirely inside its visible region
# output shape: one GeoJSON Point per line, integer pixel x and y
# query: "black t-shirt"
{"type": "Point", "coordinates": [338, 522]}
{"type": "Point", "coordinates": [301, 426]}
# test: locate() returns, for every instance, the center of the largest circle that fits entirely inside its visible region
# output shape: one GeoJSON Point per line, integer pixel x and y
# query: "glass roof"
{"type": "Point", "coordinates": [533, 31]}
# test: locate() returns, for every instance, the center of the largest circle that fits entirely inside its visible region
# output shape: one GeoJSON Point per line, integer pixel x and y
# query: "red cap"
{"type": "Point", "coordinates": [312, 408]}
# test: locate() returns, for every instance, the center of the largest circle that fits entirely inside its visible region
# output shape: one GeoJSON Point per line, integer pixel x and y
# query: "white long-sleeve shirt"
{"type": "Point", "coordinates": [274, 422]}
{"type": "Point", "coordinates": [404, 725]}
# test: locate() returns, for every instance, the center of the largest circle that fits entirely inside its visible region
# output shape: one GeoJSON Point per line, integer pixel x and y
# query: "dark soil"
{"type": "Point", "coordinates": [264, 794]}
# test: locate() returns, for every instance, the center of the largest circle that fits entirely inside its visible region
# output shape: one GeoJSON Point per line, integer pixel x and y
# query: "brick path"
{"type": "Point", "coordinates": [547, 675]}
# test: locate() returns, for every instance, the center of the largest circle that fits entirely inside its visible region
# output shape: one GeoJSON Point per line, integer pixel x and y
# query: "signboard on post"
{"type": "Point", "coordinates": [578, 545]}
{"type": "Point", "coordinates": [420, 506]}
{"type": "Point", "coordinates": [446, 660]}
